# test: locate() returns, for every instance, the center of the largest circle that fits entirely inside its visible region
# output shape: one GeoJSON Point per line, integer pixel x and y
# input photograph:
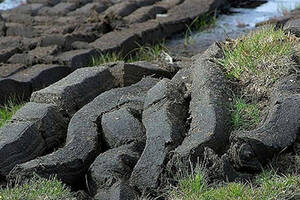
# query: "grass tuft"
{"type": "Point", "coordinates": [254, 63]}
{"type": "Point", "coordinates": [37, 189]}
{"type": "Point", "coordinates": [8, 110]}
{"type": "Point", "coordinates": [258, 59]}
{"type": "Point", "coordinates": [198, 25]}
{"type": "Point", "coordinates": [106, 58]}
{"type": "Point", "coordinates": [145, 53]}
{"type": "Point", "coordinates": [268, 185]}
{"type": "Point", "coordinates": [244, 115]}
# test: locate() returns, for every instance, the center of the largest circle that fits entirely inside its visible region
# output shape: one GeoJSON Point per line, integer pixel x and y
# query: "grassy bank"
{"type": "Point", "coordinates": [254, 63]}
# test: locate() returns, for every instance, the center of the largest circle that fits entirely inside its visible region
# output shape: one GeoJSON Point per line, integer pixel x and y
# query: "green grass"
{"type": "Point", "coordinates": [244, 115]}
{"type": "Point", "coordinates": [37, 189]}
{"type": "Point", "coordinates": [145, 53]}
{"type": "Point", "coordinates": [258, 59]}
{"type": "Point", "coordinates": [254, 63]}
{"type": "Point", "coordinates": [8, 110]}
{"type": "Point", "coordinates": [268, 185]}
{"type": "Point", "coordinates": [198, 25]}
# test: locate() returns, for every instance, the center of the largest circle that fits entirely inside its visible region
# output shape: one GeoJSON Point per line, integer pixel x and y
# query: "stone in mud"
{"type": "Point", "coordinates": [252, 149]}
{"type": "Point", "coordinates": [77, 89]}
{"type": "Point", "coordinates": [163, 118]}
{"type": "Point", "coordinates": [122, 127]}
{"type": "Point", "coordinates": [34, 130]}
{"type": "Point", "coordinates": [207, 109]}
{"type": "Point", "coordinates": [83, 143]}
{"type": "Point", "coordinates": [112, 166]}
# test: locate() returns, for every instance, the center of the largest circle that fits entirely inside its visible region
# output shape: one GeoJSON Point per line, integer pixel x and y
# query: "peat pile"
{"type": "Point", "coordinates": [45, 40]}
{"type": "Point", "coordinates": [119, 130]}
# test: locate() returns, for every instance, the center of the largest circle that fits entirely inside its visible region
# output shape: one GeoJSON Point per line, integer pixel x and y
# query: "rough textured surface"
{"type": "Point", "coordinates": [279, 130]}
{"type": "Point", "coordinates": [77, 89]}
{"type": "Point", "coordinates": [163, 118]}
{"type": "Point", "coordinates": [112, 166]}
{"type": "Point", "coordinates": [33, 131]}
{"type": "Point", "coordinates": [83, 143]}
{"type": "Point", "coordinates": [121, 190]}
{"type": "Point", "coordinates": [121, 127]}
{"type": "Point", "coordinates": [293, 26]}
{"type": "Point", "coordinates": [207, 109]}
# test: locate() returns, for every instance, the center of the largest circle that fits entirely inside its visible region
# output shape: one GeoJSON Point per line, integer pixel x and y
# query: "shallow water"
{"type": "Point", "coordinates": [239, 22]}
{"type": "Point", "coordinates": [9, 4]}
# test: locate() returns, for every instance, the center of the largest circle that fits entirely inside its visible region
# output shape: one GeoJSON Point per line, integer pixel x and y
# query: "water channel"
{"type": "Point", "coordinates": [238, 22]}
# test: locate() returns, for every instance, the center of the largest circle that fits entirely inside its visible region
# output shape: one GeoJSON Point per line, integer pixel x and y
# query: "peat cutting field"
{"type": "Point", "coordinates": [93, 106]}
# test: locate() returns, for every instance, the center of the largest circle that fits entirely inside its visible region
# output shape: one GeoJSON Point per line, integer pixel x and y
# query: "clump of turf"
{"type": "Point", "coordinates": [37, 189]}
{"type": "Point", "coordinates": [258, 59]}
{"type": "Point", "coordinates": [244, 115]}
{"type": "Point", "coordinates": [254, 63]}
